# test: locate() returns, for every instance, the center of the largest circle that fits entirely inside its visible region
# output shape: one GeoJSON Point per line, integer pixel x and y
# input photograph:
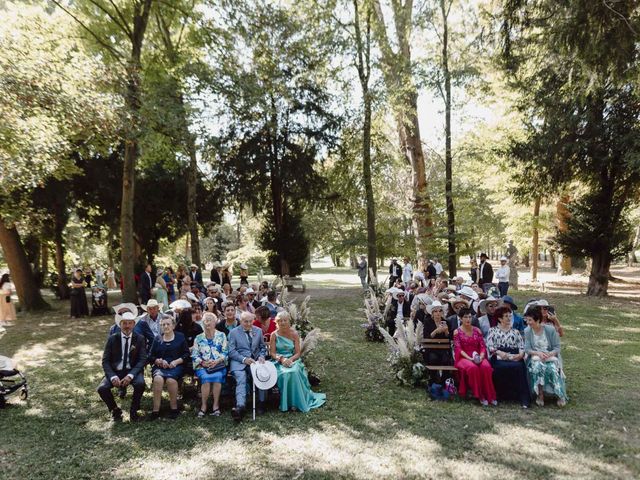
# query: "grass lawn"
{"type": "Point", "coordinates": [369, 428]}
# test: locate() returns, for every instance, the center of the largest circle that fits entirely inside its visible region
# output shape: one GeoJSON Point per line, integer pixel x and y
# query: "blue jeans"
{"type": "Point", "coordinates": [242, 377]}
{"type": "Point", "coordinates": [503, 288]}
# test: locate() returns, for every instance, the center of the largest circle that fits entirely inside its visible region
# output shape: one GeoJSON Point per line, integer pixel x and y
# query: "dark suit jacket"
{"type": "Point", "coordinates": [147, 281]}
{"type": "Point", "coordinates": [393, 310]}
{"type": "Point", "coordinates": [395, 270]}
{"type": "Point", "coordinates": [215, 277]}
{"type": "Point", "coordinates": [196, 276]}
{"type": "Point", "coordinates": [113, 354]}
{"type": "Point", "coordinates": [487, 273]}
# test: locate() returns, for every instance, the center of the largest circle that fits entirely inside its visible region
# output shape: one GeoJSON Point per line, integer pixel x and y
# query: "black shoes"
{"type": "Point", "coordinates": [260, 408]}
{"type": "Point", "coordinates": [154, 416]}
{"type": "Point", "coordinates": [237, 413]}
{"type": "Point", "coordinates": [116, 414]}
{"type": "Point", "coordinates": [134, 417]}
{"type": "Point", "coordinates": [173, 414]}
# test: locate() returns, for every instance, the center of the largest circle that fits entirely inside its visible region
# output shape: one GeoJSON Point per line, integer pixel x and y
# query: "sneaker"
{"type": "Point", "coordinates": [525, 406]}
{"type": "Point", "coordinates": [494, 403]}
{"type": "Point", "coordinates": [201, 414]}
{"type": "Point", "coordinates": [484, 403]}
{"type": "Point", "coordinates": [116, 415]}
{"type": "Point", "coordinates": [216, 413]}
{"type": "Point", "coordinates": [173, 414]}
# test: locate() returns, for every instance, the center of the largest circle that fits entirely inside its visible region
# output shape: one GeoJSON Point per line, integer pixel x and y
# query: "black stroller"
{"type": "Point", "coordinates": [99, 301]}
{"type": "Point", "coordinates": [11, 380]}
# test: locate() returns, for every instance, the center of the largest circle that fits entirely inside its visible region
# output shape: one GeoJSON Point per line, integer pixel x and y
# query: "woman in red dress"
{"type": "Point", "coordinates": [471, 361]}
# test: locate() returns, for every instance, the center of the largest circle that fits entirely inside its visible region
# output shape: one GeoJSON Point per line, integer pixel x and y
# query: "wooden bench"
{"type": "Point", "coordinates": [438, 344]}
{"type": "Point", "coordinates": [294, 282]}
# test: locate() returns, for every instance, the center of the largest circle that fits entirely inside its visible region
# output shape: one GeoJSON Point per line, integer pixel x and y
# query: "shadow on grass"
{"type": "Point", "coordinates": [369, 428]}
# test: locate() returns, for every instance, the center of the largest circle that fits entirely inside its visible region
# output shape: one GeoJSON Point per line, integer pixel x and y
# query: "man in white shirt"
{"type": "Point", "coordinates": [407, 271]}
{"type": "Point", "coordinates": [502, 274]}
{"type": "Point", "coordinates": [438, 266]}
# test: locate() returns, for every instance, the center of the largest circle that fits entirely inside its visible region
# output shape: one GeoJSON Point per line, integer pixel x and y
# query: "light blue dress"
{"type": "Point", "coordinates": [293, 383]}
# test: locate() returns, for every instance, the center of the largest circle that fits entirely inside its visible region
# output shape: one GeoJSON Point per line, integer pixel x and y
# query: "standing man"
{"type": "Point", "coordinates": [407, 272]}
{"type": "Point", "coordinates": [362, 271]}
{"type": "Point", "coordinates": [438, 266]}
{"type": "Point", "coordinates": [394, 272]}
{"type": "Point", "coordinates": [146, 284]}
{"type": "Point", "coordinates": [216, 277]}
{"type": "Point", "coordinates": [246, 346]}
{"type": "Point", "coordinates": [502, 274]}
{"type": "Point", "coordinates": [195, 274]}
{"type": "Point", "coordinates": [123, 363]}
{"type": "Point", "coordinates": [485, 273]}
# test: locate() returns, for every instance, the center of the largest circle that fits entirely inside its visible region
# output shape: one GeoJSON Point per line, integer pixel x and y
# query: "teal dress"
{"type": "Point", "coordinates": [293, 383]}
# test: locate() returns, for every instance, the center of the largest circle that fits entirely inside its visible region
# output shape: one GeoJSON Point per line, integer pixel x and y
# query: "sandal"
{"type": "Point", "coordinates": [561, 402]}
{"type": "Point", "coordinates": [216, 413]}
{"type": "Point", "coordinates": [201, 414]}
{"type": "Point", "coordinates": [540, 402]}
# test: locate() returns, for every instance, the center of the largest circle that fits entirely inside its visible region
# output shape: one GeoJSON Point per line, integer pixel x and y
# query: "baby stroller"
{"type": "Point", "coordinates": [99, 301]}
{"type": "Point", "coordinates": [11, 380]}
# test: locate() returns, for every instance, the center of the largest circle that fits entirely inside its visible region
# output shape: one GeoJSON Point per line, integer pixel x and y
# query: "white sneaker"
{"type": "Point", "coordinates": [484, 403]}
{"type": "Point", "coordinates": [494, 403]}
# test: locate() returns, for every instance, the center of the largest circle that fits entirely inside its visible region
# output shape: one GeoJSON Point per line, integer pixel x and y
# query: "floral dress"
{"type": "Point", "coordinates": [509, 377]}
{"type": "Point", "coordinates": [210, 349]}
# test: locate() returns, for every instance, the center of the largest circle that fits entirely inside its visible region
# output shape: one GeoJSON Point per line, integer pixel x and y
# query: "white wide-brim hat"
{"type": "Point", "coordinates": [126, 316]}
{"type": "Point", "coordinates": [131, 307]}
{"type": "Point", "coordinates": [437, 304]}
{"type": "Point", "coordinates": [424, 298]}
{"type": "Point", "coordinates": [152, 303]}
{"type": "Point", "coordinates": [180, 305]}
{"type": "Point", "coordinates": [264, 375]}
{"type": "Point", "coordinates": [192, 297]}
{"type": "Point", "coordinates": [455, 300]}
{"type": "Point", "coordinates": [193, 265]}
{"type": "Point", "coordinates": [468, 292]}
{"type": "Point", "coordinates": [243, 266]}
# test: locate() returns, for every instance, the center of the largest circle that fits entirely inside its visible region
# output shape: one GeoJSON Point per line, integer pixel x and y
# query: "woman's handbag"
{"type": "Point", "coordinates": [217, 368]}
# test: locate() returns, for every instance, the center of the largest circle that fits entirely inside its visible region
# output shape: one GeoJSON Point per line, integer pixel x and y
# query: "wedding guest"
{"type": "Point", "coordinates": [79, 305]}
{"type": "Point", "coordinates": [228, 322]}
{"type": "Point", "coordinates": [7, 308]}
{"type": "Point", "coordinates": [111, 279]}
{"type": "Point", "coordinates": [146, 284]}
{"type": "Point", "coordinates": [244, 274]}
{"type": "Point", "coordinates": [265, 323]}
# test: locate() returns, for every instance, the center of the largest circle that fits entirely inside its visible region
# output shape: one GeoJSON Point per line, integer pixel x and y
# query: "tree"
{"type": "Point", "coordinates": [103, 21]}
{"type": "Point", "coordinates": [575, 66]}
{"type": "Point", "coordinates": [398, 75]}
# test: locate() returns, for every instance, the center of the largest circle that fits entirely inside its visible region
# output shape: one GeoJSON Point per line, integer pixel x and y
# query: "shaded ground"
{"type": "Point", "coordinates": [369, 428]}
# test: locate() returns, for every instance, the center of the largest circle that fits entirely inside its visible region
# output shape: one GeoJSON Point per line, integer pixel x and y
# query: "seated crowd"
{"type": "Point", "coordinates": [212, 333]}
{"type": "Point", "coordinates": [497, 353]}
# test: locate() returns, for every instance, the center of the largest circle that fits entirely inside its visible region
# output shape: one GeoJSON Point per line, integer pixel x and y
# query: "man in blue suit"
{"type": "Point", "coordinates": [246, 346]}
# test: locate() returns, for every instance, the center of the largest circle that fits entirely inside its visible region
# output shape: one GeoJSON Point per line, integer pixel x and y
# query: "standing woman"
{"type": "Point", "coordinates": [168, 354]}
{"type": "Point", "coordinates": [470, 355]}
{"type": "Point", "coordinates": [544, 362]}
{"type": "Point", "coordinates": [226, 275]}
{"type": "Point", "coordinates": [162, 294]}
{"type": "Point", "coordinates": [79, 306]}
{"type": "Point", "coordinates": [7, 309]}
{"type": "Point", "coordinates": [209, 355]}
{"type": "Point", "coordinates": [473, 273]}
{"type": "Point", "coordinates": [111, 279]}
{"type": "Point", "coordinates": [244, 274]}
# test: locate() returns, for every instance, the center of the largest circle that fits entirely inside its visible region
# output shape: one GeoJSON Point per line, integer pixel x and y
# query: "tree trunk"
{"type": "Point", "coordinates": [45, 261]}
{"type": "Point", "coordinates": [192, 209]}
{"type": "Point", "coordinates": [61, 268]}
{"type": "Point", "coordinates": [599, 276]}
{"type": "Point", "coordinates": [131, 151]}
{"type": "Point", "coordinates": [525, 259]}
{"type": "Point", "coordinates": [552, 259]}
{"type": "Point", "coordinates": [20, 270]}
{"type": "Point", "coordinates": [448, 160]}
{"type": "Point", "coordinates": [534, 240]}
{"type": "Point", "coordinates": [562, 216]}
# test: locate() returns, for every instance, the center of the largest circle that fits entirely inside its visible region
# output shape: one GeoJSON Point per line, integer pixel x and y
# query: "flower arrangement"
{"type": "Point", "coordinates": [374, 317]}
{"type": "Point", "coordinates": [404, 352]}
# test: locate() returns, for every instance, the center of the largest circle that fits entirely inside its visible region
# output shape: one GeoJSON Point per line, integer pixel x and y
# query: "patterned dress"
{"type": "Point", "coordinates": [476, 377]}
{"type": "Point", "coordinates": [210, 349]}
{"type": "Point", "coordinates": [509, 377]}
{"type": "Point", "coordinates": [548, 375]}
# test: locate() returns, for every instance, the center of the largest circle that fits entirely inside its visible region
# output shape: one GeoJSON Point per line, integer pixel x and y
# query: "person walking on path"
{"type": "Point", "coordinates": [362, 271]}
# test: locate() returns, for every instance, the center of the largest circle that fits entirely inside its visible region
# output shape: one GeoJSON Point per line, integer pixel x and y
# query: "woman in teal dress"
{"type": "Point", "coordinates": [293, 383]}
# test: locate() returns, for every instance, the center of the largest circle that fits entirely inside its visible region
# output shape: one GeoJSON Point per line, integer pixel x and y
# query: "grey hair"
{"type": "Point", "coordinates": [247, 315]}
{"type": "Point", "coordinates": [283, 314]}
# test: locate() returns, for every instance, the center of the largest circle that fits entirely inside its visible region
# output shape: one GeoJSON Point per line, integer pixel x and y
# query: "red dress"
{"type": "Point", "coordinates": [478, 378]}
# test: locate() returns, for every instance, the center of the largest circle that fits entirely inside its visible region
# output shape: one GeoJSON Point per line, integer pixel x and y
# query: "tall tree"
{"type": "Point", "coordinates": [400, 83]}
{"type": "Point", "coordinates": [575, 65]}
{"type": "Point", "coordinates": [126, 22]}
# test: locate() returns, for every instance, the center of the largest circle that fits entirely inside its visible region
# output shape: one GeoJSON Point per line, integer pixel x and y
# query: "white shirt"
{"type": "Point", "coordinates": [123, 339]}
{"type": "Point", "coordinates": [400, 309]}
{"type": "Point", "coordinates": [502, 274]}
{"type": "Point", "coordinates": [407, 273]}
{"type": "Point", "coordinates": [438, 267]}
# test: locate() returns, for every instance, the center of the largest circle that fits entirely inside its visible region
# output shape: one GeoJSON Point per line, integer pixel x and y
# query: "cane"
{"type": "Point", "coordinates": [254, 401]}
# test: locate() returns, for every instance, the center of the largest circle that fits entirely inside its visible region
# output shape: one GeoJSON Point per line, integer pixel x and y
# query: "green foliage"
{"type": "Point", "coordinates": [290, 244]}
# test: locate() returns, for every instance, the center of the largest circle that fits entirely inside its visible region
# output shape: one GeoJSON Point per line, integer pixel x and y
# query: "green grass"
{"type": "Point", "coordinates": [369, 428]}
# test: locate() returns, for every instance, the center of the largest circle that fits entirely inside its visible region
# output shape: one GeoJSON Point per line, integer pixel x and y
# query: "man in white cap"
{"type": "Point", "coordinates": [195, 274]}
{"type": "Point", "coordinates": [149, 324]}
{"type": "Point", "coordinates": [502, 274]}
{"type": "Point", "coordinates": [123, 363]}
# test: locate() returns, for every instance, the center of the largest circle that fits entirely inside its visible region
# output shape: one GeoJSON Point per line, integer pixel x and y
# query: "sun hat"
{"type": "Point", "coordinates": [152, 303]}
{"type": "Point", "coordinates": [180, 304]}
{"type": "Point", "coordinates": [451, 288]}
{"type": "Point", "coordinates": [436, 304]}
{"type": "Point", "coordinates": [456, 300]}
{"type": "Point", "coordinates": [131, 307]}
{"type": "Point", "coordinates": [243, 266]}
{"type": "Point", "coordinates": [482, 306]}
{"type": "Point", "coordinates": [264, 375]}
{"type": "Point", "coordinates": [193, 265]}
{"type": "Point", "coordinates": [504, 259]}
{"type": "Point", "coordinates": [424, 299]}
{"type": "Point", "coordinates": [192, 297]}
{"type": "Point", "coordinates": [468, 292]}
{"type": "Point", "coordinates": [509, 300]}
{"type": "Point", "coordinates": [250, 291]}
{"type": "Point", "coordinates": [536, 303]}
{"type": "Point", "coordinates": [126, 316]}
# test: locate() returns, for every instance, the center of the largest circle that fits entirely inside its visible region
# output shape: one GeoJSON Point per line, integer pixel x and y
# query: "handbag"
{"type": "Point", "coordinates": [217, 368]}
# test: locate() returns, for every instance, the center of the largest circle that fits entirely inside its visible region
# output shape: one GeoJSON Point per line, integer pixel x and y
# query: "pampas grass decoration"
{"type": "Point", "coordinates": [309, 342]}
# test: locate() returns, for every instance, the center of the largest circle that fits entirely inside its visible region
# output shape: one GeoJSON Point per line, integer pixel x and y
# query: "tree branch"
{"type": "Point", "coordinates": [124, 21]}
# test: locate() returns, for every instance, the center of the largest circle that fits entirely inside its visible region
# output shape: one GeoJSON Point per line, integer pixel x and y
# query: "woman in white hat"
{"type": "Point", "coordinates": [435, 326]}
{"type": "Point", "coordinates": [209, 355]}
{"type": "Point", "coordinates": [293, 382]}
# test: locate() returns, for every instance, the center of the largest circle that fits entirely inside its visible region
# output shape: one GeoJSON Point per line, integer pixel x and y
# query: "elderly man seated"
{"type": "Point", "coordinates": [246, 346]}
{"type": "Point", "coordinates": [123, 363]}
{"type": "Point", "coordinates": [149, 324]}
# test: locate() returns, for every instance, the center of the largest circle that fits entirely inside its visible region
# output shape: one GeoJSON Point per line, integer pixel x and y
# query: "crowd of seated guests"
{"type": "Point", "coordinates": [210, 332]}
{"type": "Point", "coordinates": [499, 355]}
